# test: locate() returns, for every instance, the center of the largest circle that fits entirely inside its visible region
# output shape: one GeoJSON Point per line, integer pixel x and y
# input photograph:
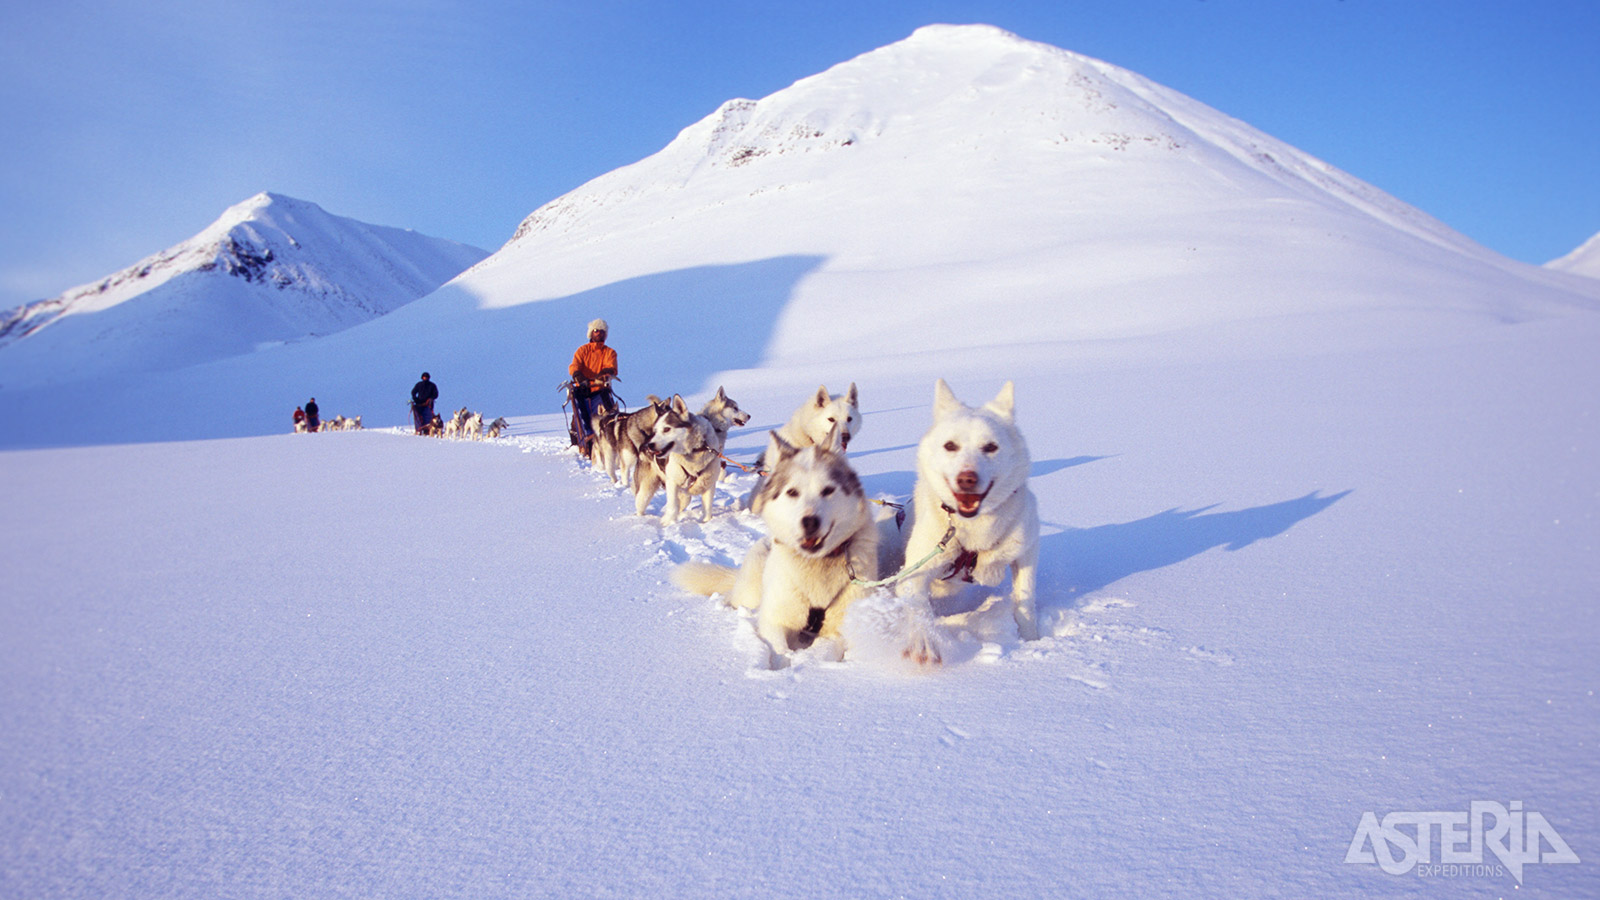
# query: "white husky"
{"type": "Point", "coordinates": [972, 505]}
{"type": "Point", "coordinates": [818, 416]}
{"type": "Point", "coordinates": [815, 422]}
{"type": "Point", "coordinates": [684, 454]}
{"type": "Point", "coordinates": [821, 541]}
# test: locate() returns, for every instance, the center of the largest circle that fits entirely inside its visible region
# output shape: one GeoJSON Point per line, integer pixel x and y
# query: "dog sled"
{"type": "Point", "coordinates": [579, 431]}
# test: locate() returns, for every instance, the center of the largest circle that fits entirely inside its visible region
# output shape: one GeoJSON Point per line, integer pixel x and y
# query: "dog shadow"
{"type": "Point", "coordinates": [859, 453]}
{"type": "Point", "coordinates": [1080, 561]}
{"type": "Point", "coordinates": [1045, 467]}
{"type": "Point", "coordinates": [1077, 562]}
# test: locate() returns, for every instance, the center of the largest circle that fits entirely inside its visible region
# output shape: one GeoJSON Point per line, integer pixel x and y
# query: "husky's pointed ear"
{"type": "Point", "coordinates": [721, 394]}
{"type": "Point", "coordinates": [778, 448]}
{"type": "Point", "coordinates": [822, 397]}
{"type": "Point", "coordinates": [944, 400]}
{"type": "Point", "coordinates": [851, 395]}
{"type": "Point", "coordinates": [1004, 403]}
{"type": "Point", "coordinates": [679, 406]}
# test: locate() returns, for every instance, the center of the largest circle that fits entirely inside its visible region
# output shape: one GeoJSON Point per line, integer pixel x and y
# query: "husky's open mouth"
{"type": "Point", "coordinates": [967, 504]}
{"type": "Point", "coordinates": [815, 543]}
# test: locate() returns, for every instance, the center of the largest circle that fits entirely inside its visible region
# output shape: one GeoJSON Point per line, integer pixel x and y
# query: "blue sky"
{"type": "Point", "coordinates": [129, 127]}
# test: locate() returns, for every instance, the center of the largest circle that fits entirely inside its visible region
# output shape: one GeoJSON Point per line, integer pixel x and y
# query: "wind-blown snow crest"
{"type": "Point", "coordinates": [1585, 260]}
{"type": "Point", "coordinates": [270, 269]}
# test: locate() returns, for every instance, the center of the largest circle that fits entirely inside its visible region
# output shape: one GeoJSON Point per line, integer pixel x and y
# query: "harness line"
{"type": "Point", "coordinates": [944, 544]}
{"type": "Point", "coordinates": [741, 466]}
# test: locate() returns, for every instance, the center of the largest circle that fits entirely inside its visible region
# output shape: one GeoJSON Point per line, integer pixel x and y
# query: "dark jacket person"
{"type": "Point", "coordinates": [423, 393]}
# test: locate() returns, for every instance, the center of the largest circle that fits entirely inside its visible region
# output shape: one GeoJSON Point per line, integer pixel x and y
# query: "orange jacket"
{"type": "Point", "coordinates": [591, 361]}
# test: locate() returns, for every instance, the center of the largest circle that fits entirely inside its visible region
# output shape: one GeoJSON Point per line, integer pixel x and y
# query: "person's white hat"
{"type": "Point", "coordinates": [598, 325]}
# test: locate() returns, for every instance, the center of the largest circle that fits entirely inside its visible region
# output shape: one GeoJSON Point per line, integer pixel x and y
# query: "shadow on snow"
{"type": "Point", "coordinates": [673, 331]}
{"type": "Point", "coordinates": [1081, 561]}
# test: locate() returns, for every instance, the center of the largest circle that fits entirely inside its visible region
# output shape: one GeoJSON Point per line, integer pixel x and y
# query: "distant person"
{"type": "Point", "coordinates": [312, 421]}
{"type": "Point", "coordinates": [423, 393]}
{"type": "Point", "coordinates": [299, 420]}
{"type": "Point", "coordinates": [592, 368]}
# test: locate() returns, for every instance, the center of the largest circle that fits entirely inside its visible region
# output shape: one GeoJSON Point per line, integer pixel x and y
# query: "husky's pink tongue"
{"type": "Point", "coordinates": [967, 504]}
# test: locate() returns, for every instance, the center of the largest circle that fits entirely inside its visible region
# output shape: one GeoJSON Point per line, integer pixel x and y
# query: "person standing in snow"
{"type": "Point", "coordinates": [592, 368]}
{"type": "Point", "coordinates": [311, 415]}
{"type": "Point", "coordinates": [299, 419]}
{"type": "Point", "coordinates": [423, 393]}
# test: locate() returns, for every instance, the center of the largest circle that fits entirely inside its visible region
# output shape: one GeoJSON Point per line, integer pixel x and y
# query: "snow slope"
{"type": "Point", "coordinates": [1585, 260]}
{"type": "Point", "coordinates": [1278, 595]}
{"type": "Point", "coordinates": [1318, 484]}
{"type": "Point", "coordinates": [271, 269]}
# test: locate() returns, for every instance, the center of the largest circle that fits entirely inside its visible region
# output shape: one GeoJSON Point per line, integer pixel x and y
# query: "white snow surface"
{"type": "Point", "coordinates": [1317, 477]}
{"type": "Point", "coordinates": [271, 269]}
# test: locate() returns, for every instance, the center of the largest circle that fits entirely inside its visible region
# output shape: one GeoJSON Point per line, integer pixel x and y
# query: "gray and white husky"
{"type": "Point", "coordinates": [618, 436]}
{"type": "Point", "coordinates": [821, 541]}
{"type": "Point", "coordinates": [972, 496]}
{"type": "Point", "coordinates": [814, 422]}
{"type": "Point", "coordinates": [684, 455]}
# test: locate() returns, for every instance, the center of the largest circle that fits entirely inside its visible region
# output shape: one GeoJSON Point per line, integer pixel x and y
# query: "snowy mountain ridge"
{"type": "Point", "coordinates": [272, 268]}
{"type": "Point", "coordinates": [966, 167]}
{"type": "Point", "coordinates": [1012, 95]}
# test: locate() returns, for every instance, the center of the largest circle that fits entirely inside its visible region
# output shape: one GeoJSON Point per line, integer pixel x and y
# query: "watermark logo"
{"type": "Point", "coordinates": [1404, 841]}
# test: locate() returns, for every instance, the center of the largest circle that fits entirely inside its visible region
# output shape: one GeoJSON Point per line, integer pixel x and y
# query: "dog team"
{"type": "Point", "coordinates": [465, 425]}
{"type": "Point", "coordinates": [305, 423]}
{"type": "Point", "coordinates": [973, 519]}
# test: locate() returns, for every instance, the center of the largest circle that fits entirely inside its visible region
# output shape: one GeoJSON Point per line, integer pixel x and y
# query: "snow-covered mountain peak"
{"type": "Point", "coordinates": [944, 91]}
{"type": "Point", "coordinates": [956, 108]}
{"type": "Point", "coordinates": [248, 241]}
{"type": "Point", "coordinates": [270, 268]}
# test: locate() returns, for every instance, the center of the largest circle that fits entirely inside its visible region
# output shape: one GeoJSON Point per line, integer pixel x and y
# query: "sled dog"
{"type": "Point", "coordinates": [811, 424]}
{"type": "Point", "coordinates": [498, 425]}
{"type": "Point", "coordinates": [972, 496]}
{"type": "Point", "coordinates": [725, 415]}
{"type": "Point", "coordinates": [453, 427]}
{"type": "Point", "coordinates": [619, 435]}
{"type": "Point", "coordinates": [821, 535]}
{"type": "Point", "coordinates": [684, 454]}
{"type": "Point", "coordinates": [817, 416]}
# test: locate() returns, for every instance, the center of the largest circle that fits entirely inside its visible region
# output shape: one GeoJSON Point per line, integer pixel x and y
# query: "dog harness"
{"type": "Point", "coordinates": [691, 478]}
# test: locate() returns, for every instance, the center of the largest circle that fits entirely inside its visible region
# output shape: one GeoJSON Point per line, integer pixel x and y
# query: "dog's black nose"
{"type": "Point", "coordinates": [809, 525]}
{"type": "Point", "coordinates": [967, 481]}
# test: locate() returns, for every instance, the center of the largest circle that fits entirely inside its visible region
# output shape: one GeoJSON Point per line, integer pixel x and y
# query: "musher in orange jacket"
{"type": "Point", "coordinates": [592, 368]}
